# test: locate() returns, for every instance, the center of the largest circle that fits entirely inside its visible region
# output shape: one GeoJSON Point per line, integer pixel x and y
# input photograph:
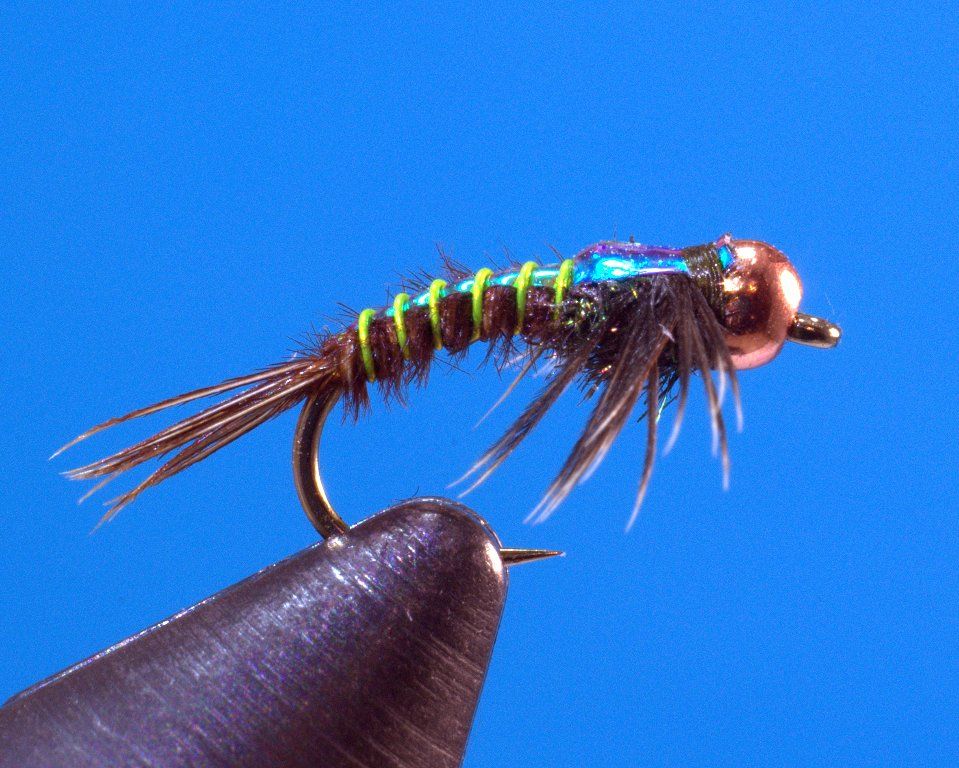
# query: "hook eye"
{"type": "Point", "coordinates": [814, 331]}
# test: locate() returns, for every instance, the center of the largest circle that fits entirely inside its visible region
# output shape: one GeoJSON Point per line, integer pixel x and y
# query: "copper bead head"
{"type": "Point", "coordinates": [762, 295]}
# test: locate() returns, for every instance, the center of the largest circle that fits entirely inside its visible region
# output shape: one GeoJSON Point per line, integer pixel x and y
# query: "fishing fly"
{"type": "Point", "coordinates": [626, 321]}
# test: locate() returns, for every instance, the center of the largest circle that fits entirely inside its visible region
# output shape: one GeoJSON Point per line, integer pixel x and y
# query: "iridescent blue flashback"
{"type": "Point", "coordinates": [606, 260]}
{"type": "Point", "coordinates": [612, 260]}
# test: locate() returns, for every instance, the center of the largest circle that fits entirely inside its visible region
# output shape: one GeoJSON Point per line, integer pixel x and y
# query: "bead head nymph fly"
{"type": "Point", "coordinates": [625, 321]}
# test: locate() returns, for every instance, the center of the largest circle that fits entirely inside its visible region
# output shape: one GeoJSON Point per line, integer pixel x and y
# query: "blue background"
{"type": "Point", "coordinates": [183, 193]}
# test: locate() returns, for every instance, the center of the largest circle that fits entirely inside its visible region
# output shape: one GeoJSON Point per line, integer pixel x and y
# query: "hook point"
{"type": "Point", "coordinates": [512, 557]}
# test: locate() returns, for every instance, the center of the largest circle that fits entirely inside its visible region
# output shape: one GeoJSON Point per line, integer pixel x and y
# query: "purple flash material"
{"type": "Point", "coordinates": [611, 260]}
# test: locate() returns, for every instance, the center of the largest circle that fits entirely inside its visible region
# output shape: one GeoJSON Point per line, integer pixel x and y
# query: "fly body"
{"type": "Point", "coordinates": [627, 321]}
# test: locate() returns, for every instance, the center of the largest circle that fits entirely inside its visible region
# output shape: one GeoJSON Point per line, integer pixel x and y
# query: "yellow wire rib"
{"type": "Point", "coordinates": [436, 293]}
{"type": "Point", "coordinates": [399, 321]}
{"type": "Point", "coordinates": [522, 284]}
{"type": "Point", "coordinates": [479, 288]}
{"type": "Point", "coordinates": [366, 352]}
{"type": "Point", "coordinates": [563, 281]}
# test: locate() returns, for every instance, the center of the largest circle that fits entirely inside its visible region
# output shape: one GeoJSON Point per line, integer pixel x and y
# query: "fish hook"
{"type": "Point", "coordinates": [309, 481]}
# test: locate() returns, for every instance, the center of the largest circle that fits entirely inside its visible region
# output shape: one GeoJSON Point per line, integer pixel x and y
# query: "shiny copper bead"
{"type": "Point", "coordinates": [762, 294]}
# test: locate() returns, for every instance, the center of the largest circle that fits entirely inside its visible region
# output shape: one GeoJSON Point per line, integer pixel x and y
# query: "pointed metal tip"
{"type": "Point", "coordinates": [512, 557]}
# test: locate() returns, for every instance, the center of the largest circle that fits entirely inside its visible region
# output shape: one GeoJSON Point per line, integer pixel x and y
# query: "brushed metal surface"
{"type": "Point", "coordinates": [369, 649]}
